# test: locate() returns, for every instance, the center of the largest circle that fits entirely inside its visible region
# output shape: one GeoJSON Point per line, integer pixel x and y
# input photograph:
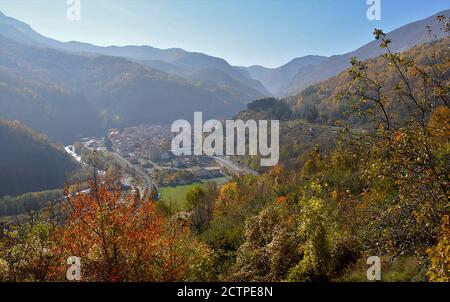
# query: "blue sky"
{"type": "Point", "coordinates": [244, 32]}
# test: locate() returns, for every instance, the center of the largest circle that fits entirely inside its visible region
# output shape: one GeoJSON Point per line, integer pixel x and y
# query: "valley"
{"type": "Point", "coordinates": [142, 159]}
{"type": "Point", "coordinates": [91, 166]}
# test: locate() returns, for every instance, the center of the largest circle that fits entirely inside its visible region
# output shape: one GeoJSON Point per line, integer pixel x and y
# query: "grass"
{"type": "Point", "coordinates": [401, 269]}
{"type": "Point", "coordinates": [175, 197]}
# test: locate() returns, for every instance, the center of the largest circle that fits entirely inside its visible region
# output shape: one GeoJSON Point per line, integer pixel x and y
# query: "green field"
{"type": "Point", "coordinates": [177, 194]}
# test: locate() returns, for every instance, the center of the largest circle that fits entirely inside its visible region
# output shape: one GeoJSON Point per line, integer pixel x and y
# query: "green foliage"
{"type": "Point", "coordinates": [29, 202]}
{"type": "Point", "coordinates": [25, 252]}
{"type": "Point", "coordinates": [316, 261]}
{"type": "Point", "coordinates": [200, 202]}
{"type": "Point", "coordinates": [224, 233]}
{"type": "Point", "coordinates": [439, 270]}
{"type": "Point", "coordinates": [270, 109]}
{"type": "Point", "coordinates": [270, 246]}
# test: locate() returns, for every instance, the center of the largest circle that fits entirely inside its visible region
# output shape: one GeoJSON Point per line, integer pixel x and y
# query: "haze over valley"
{"type": "Point", "coordinates": [162, 164]}
{"type": "Point", "coordinates": [69, 90]}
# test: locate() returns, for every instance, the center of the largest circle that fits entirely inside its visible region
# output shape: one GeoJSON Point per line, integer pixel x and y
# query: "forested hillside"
{"type": "Point", "coordinates": [29, 162]}
{"type": "Point", "coordinates": [316, 117]}
{"type": "Point", "coordinates": [277, 79]}
{"type": "Point", "coordinates": [323, 102]}
{"type": "Point", "coordinates": [403, 38]}
{"type": "Point", "coordinates": [372, 182]}
{"type": "Point", "coordinates": [69, 96]}
{"type": "Point", "coordinates": [176, 61]}
{"type": "Point", "coordinates": [380, 191]}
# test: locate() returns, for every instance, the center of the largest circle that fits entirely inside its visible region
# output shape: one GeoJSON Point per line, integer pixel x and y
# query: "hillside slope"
{"type": "Point", "coordinates": [67, 96]}
{"type": "Point", "coordinates": [319, 102]}
{"type": "Point", "coordinates": [276, 80]}
{"type": "Point", "coordinates": [28, 162]}
{"type": "Point", "coordinates": [402, 38]}
{"type": "Point", "coordinates": [173, 60]}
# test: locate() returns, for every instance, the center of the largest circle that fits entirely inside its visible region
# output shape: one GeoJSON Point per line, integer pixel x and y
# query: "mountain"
{"type": "Point", "coordinates": [174, 60]}
{"type": "Point", "coordinates": [255, 81]}
{"type": "Point", "coordinates": [71, 89]}
{"type": "Point", "coordinates": [319, 103]}
{"type": "Point", "coordinates": [258, 72]}
{"type": "Point", "coordinates": [315, 116]}
{"type": "Point", "coordinates": [28, 162]}
{"type": "Point", "coordinates": [276, 80]}
{"type": "Point", "coordinates": [67, 95]}
{"type": "Point", "coordinates": [61, 113]}
{"type": "Point", "coordinates": [402, 38]}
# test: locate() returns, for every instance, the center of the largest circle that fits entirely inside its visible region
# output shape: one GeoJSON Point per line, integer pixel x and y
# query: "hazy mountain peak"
{"type": "Point", "coordinates": [11, 21]}
{"type": "Point", "coordinates": [177, 57]}
{"type": "Point", "coordinates": [275, 80]}
{"type": "Point", "coordinates": [403, 38]}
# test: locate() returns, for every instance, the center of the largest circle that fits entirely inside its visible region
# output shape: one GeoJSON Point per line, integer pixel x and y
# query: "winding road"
{"type": "Point", "coordinates": [232, 166]}
{"type": "Point", "coordinates": [147, 181]}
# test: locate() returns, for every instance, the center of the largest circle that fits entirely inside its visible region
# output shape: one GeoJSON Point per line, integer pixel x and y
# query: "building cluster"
{"type": "Point", "coordinates": [151, 142]}
{"type": "Point", "coordinates": [149, 148]}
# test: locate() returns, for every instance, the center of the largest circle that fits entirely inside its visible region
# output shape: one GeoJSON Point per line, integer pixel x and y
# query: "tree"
{"type": "Point", "coordinates": [439, 270]}
{"type": "Point", "coordinates": [316, 257]}
{"type": "Point", "coordinates": [26, 252]}
{"type": "Point", "coordinates": [123, 238]}
{"type": "Point", "coordinates": [228, 196]}
{"type": "Point", "coordinates": [405, 159]}
{"type": "Point", "coordinates": [201, 205]}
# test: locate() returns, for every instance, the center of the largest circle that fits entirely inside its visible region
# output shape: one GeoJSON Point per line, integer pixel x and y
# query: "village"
{"type": "Point", "coordinates": [148, 147]}
{"type": "Point", "coordinates": [144, 160]}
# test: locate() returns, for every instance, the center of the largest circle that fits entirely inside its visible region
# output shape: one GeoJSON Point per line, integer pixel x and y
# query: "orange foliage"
{"type": "Point", "coordinates": [119, 238]}
{"type": "Point", "coordinates": [281, 199]}
{"type": "Point", "coordinates": [228, 197]}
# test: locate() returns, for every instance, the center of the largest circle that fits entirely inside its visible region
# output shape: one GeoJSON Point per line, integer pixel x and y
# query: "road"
{"type": "Point", "coordinates": [232, 166]}
{"type": "Point", "coordinates": [142, 174]}
{"type": "Point", "coordinates": [71, 151]}
{"type": "Point", "coordinates": [147, 181]}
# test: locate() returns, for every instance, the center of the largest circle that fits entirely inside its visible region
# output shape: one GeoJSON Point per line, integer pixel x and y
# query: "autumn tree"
{"type": "Point", "coordinates": [123, 238]}
{"type": "Point", "coordinates": [405, 160]}
{"type": "Point", "coordinates": [26, 252]}
{"type": "Point", "coordinates": [201, 202]}
{"type": "Point", "coordinates": [439, 270]}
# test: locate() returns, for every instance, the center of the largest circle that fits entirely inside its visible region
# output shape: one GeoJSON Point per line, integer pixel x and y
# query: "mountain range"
{"type": "Point", "coordinates": [276, 79]}
{"type": "Point", "coordinates": [403, 38]}
{"type": "Point", "coordinates": [68, 94]}
{"type": "Point", "coordinates": [68, 90]}
{"type": "Point", "coordinates": [191, 65]}
{"type": "Point", "coordinates": [288, 79]}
